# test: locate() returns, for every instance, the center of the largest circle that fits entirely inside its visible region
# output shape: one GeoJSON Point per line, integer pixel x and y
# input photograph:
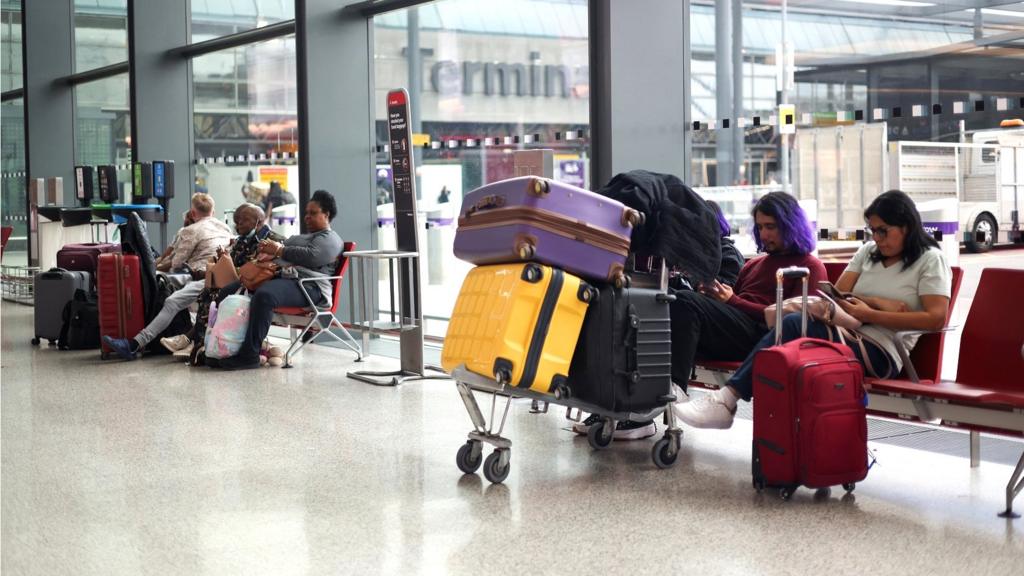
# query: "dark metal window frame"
{"type": "Point", "coordinates": [371, 8]}
{"type": "Point", "coordinates": [269, 32]}
{"type": "Point", "coordinates": [12, 94]}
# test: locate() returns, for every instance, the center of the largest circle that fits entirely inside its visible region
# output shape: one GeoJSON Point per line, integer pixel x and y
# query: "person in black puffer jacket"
{"type": "Point", "coordinates": [679, 225]}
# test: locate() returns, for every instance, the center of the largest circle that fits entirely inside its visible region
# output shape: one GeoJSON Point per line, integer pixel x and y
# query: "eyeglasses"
{"type": "Point", "coordinates": [881, 232]}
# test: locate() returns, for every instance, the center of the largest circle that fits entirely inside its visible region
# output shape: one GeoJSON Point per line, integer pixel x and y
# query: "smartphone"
{"type": "Point", "coordinates": [830, 289]}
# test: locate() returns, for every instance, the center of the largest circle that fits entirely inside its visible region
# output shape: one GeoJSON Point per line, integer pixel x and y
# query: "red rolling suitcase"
{"type": "Point", "coordinates": [84, 257]}
{"type": "Point", "coordinates": [119, 283]}
{"type": "Point", "coordinates": [533, 218]}
{"type": "Point", "coordinates": [810, 425]}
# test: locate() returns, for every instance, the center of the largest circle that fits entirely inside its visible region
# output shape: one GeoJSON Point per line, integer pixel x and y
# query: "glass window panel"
{"type": "Point", "coordinates": [540, 38]}
{"type": "Point", "coordinates": [14, 189]}
{"type": "Point", "coordinates": [852, 56]}
{"type": "Point", "coordinates": [246, 121]}
{"type": "Point", "coordinates": [103, 126]}
{"type": "Point", "coordinates": [215, 18]}
{"type": "Point", "coordinates": [101, 33]}
{"type": "Point", "coordinates": [10, 45]}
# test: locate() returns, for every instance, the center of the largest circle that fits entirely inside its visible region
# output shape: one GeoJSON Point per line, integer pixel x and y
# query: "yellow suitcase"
{"type": "Point", "coordinates": [518, 323]}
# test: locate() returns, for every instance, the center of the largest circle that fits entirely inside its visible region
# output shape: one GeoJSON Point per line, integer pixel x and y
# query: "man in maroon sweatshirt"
{"type": "Point", "coordinates": [723, 323]}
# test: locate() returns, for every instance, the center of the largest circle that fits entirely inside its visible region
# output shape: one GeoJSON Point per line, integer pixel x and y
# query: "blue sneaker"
{"type": "Point", "coordinates": [122, 347]}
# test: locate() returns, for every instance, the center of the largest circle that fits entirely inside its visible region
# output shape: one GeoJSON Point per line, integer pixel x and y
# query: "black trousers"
{"type": "Point", "coordinates": [271, 294]}
{"type": "Point", "coordinates": [710, 330]}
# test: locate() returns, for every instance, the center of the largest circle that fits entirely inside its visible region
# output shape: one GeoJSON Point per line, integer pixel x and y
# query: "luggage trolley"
{"type": "Point", "coordinates": [497, 465]}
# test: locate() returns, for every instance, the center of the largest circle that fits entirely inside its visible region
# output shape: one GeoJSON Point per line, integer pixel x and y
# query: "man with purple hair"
{"type": "Point", "coordinates": [720, 322]}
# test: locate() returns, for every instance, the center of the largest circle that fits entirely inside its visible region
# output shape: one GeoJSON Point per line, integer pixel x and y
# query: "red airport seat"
{"type": "Point", "coordinates": [301, 320]}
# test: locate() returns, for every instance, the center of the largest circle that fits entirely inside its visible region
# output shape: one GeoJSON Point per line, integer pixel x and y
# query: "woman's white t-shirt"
{"type": "Point", "coordinates": [929, 275]}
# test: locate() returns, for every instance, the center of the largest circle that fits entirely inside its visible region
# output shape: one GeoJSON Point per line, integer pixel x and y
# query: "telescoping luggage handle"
{"type": "Point", "coordinates": [780, 275]}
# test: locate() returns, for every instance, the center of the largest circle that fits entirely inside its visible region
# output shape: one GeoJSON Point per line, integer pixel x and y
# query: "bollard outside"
{"type": "Point", "coordinates": [810, 208]}
{"type": "Point", "coordinates": [941, 218]}
{"type": "Point", "coordinates": [440, 224]}
{"type": "Point", "coordinates": [385, 236]}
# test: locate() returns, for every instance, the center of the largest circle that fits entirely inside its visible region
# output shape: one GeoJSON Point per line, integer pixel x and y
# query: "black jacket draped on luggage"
{"type": "Point", "coordinates": [680, 226]}
{"type": "Point", "coordinates": [135, 240]}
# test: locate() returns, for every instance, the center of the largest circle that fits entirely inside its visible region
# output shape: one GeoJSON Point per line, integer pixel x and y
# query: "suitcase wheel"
{"type": "Point", "coordinates": [526, 251]}
{"type": "Point", "coordinates": [562, 392]}
{"type": "Point", "coordinates": [786, 493]}
{"type": "Point", "coordinates": [532, 273]}
{"type": "Point", "coordinates": [849, 487]}
{"type": "Point", "coordinates": [758, 484]}
{"type": "Point", "coordinates": [664, 453]}
{"type": "Point", "coordinates": [35, 341]}
{"type": "Point", "coordinates": [587, 293]}
{"type": "Point", "coordinates": [493, 470]}
{"type": "Point", "coordinates": [632, 218]}
{"type": "Point", "coordinates": [597, 437]}
{"type": "Point", "coordinates": [465, 458]}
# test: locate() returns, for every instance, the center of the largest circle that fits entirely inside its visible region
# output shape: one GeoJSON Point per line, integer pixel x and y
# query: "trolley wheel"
{"type": "Point", "coordinates": [849, 487]}
{"type": "Point", "coordinates": [35, 341]}
{"type": "Point", "coordinates": [596, 436]}
{"type": "Point", "coordinates": [785, 493]}
{"type": "Point", "coordinates": [493, 470]}
{"type": "Point", "coordinates": [104, 355]}
{"type": "Point", "coordinates": [663, 454]}
{"type": "Point", "coordinates": [758, 484]}
{"type": "Point", "coordinates": [465, 460]}
{"type": "Point", "coordinates": [620, 281]}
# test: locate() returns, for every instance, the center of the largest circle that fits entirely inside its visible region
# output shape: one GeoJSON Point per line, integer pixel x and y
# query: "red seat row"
{"type": "Point", "coordinates": [988, 393]}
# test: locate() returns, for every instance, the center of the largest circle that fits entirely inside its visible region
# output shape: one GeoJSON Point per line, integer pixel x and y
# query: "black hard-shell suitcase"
{"type": "Point", "coordinates": [53, 289]}
{"type": "Point", "coordinates": [623, 359]}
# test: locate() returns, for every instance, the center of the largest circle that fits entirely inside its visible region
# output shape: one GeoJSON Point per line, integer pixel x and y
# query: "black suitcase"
{"type": "Point", "coordinates": [623, 359]}
{"type": "Point", "coordinates": [53, 289]}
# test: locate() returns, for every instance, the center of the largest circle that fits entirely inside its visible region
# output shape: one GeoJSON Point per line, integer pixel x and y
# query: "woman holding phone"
{"type": "Point", "coordinates": [899, 280]}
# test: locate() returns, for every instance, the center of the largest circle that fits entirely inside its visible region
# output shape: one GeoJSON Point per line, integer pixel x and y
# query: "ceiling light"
{"type": "Point", "coordinates": [994, 12]}
{"type": "Point", "coordinates": [899, 3]}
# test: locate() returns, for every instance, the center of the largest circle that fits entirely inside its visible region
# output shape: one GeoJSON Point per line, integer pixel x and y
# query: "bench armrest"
{"type": "Point", "coordinates": [901, 348]}
{"type": "Point", "coordinates": [302, 281]}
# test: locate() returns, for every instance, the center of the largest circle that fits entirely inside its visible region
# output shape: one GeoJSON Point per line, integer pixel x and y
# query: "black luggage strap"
{"type": "Point", "coordinates": [630, 343]}
{"type": "Point", "coordinates": [65, 327]}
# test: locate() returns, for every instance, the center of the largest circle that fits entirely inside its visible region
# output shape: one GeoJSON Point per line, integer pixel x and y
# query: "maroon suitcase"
{"type": "Point", "coordinates": [83, 257]}
{"type": "Point", "coordinates": [810, 423]}
{"type": "Point", "coordinates": [533, 218]}
{"type": "Point", "coordinates": [119, 283]}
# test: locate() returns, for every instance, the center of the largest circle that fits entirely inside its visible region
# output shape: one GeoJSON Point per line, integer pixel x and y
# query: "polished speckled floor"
{"type": "Point", "coordinates": [155, 468]}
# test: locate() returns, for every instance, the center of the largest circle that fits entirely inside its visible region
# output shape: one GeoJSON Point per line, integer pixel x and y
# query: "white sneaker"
{"type": "Point", "coordinates": [175, 343]}
{"type": "Point", "coordinates": [184, 352]}
{"type": "Point", "coordinates": [707, 411]}
{"type": "Point", "coordinates": [677, 391]}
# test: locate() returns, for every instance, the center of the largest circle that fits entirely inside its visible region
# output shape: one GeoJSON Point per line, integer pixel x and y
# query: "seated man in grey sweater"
{"type": "Point", "coordinates": [311, 255]}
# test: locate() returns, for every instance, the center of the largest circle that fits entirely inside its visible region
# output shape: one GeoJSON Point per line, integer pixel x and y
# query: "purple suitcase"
{"type": "Point", "coordinates": [83, 257]}
{"type": "Point", "coordinates": [533, 218]}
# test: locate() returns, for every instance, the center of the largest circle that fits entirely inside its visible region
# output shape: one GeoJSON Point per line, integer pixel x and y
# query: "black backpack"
{"type": "Point", "coordinates": [81, 327]}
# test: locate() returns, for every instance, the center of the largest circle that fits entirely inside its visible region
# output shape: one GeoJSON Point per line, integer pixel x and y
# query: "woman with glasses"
{"type": "Point", "coordinates": [899, 280]}
{"type": "Point", "coordinates": [311, 255]}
